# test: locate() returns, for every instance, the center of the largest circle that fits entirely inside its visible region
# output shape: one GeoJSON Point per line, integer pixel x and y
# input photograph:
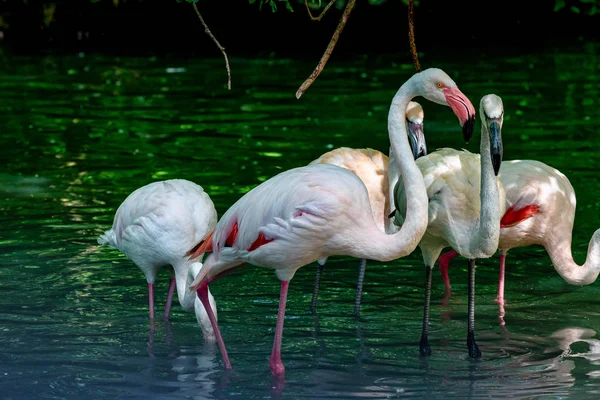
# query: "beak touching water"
{"type": "Point", "coordinates": [495, 143]}
{"type": "Point", "coordinates": [417, 139]}
{"type": "Point", "coordinates": [464, 110]}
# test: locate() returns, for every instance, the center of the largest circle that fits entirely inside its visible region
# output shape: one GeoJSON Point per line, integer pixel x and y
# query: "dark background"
{"type": "Point", "coordinates": [162, 27]}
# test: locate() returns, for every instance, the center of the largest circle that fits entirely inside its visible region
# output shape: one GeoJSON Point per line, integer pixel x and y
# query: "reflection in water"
{"type": "Point", "coordinates": [526, 371]}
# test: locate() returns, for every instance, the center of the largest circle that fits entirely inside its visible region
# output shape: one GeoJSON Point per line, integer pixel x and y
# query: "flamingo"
{"type": "Point", "coordinates": [307, 213]}
{"type": "Point", "coordinates": [540, 205]}
{"type": "Point", "coordinates": [371, 166]}
{"type": "Point", "coordinates": [464, 213]}
{"type": "Point", "coordinates": [155, 227]}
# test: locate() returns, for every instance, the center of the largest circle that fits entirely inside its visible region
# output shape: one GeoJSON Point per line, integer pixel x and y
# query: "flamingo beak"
{"type": "Point", "coordinates": [464, 110]}
{"type": "Point", "coordinates": [495, 143]}
{"type": "Point", "coordinates": [417, 139]}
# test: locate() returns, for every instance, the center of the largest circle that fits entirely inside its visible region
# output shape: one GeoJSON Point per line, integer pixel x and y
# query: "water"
{"type": "Point", "coordinates": [81, 132]}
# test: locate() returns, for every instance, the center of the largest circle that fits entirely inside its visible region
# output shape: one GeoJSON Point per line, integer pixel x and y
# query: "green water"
{"type": "Point", "coordinates": [79, 133]}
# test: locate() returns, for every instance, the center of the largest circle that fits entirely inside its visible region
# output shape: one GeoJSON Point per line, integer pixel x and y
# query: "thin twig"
{"type": "Point", "coordinates": [209, 33]}
{"type": "Point", "coordinates": [411, 35]}
{"type": "Point", "coordinates": [322, 13]}
{"type": "Point", "coordinates": [336, 35]}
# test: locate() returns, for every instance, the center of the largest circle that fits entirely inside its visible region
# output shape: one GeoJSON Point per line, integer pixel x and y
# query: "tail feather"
{"type": "Point", "coordinates": [108, 238]}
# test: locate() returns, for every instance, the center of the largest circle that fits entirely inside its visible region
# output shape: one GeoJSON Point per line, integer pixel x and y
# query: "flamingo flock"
{"type": "Point", "coordinates": [362, 204]}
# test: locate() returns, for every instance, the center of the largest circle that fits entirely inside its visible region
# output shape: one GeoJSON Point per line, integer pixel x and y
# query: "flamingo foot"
{"type": "Point", "coordinates": [424, 349]}
{"type": "Point", "coordinates": [446, 298]}
{"type": "Point", "coordinates": [277, 386]}
{"type": "Point", "coordinates": [474, 351]}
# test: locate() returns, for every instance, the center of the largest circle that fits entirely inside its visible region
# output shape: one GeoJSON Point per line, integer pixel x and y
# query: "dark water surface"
{"type": "Point", "coordinates": [79, 133]}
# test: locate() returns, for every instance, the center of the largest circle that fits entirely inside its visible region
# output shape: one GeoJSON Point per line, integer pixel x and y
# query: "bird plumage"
{"type": "Point", "coordinates": [156, 225]}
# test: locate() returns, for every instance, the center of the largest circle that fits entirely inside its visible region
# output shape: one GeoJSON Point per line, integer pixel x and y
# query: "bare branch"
{"type": "Point", "coordinates": [209, 33]}
{"type": "Point", "coordinates": [411, 35]}
{"type": "Point", "coordinates": [322, 13]}
{"type": "Point", "coordinates": [336, 35]}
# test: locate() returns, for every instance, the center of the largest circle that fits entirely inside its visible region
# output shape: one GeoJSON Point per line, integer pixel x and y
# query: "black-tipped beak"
{"type": "Point", "coordinates": [416, 137]}
{"type": "Point", "coordinates": [495, 144]}
{"type": "Point", "coordinates": [468, 128]}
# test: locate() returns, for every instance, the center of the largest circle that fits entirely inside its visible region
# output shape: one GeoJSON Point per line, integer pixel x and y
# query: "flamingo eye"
{"type": "Point", "coordinates": [439, 85]}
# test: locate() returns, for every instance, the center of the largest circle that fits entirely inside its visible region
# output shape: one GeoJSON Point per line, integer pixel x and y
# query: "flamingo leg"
{"type": "Point", "coordinates": [151, 299]}
{"type": "Point", "coordinates": [313, 304]}
{"type": "Point", "coordinates": [444, 263]}
{"type": "Point", "coordinates": [424, 349]}
{"type": "Point", "coordinates": [169, 299]}
{"type": "Point", "coordinates": [203, 296]}
{"type": "Point", "coordinates": [277, 368]}
{"type": "Point", "coordinates": [471, 345]}
{"type": "Point", "coordinates": [500, 298]}
{"type": "Point", "coordinates": [359, 286]}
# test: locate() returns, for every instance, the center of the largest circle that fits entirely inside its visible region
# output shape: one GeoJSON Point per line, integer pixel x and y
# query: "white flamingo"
{"type": "Point", "coordinates": [371, 166]}
{"type": "Point", "coordinates": [466, 201]}
{"type": "Point", "coordinates": [304, 214]}
{"type": "Point", "coordinates": [540, 205]}
{"type": "Point", "coordinates": [160, 225]}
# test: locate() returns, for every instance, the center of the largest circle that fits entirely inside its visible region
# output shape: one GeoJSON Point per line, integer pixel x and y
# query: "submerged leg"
{"type": "Point", "coordinates": [169, 299]}
{"type": "Point", "coordinates": [444, 263]}
{"type": "Point", "coordinates": [275, 363]}
{"type": "Point", "coordinates": [151, 299]}
{"type": "Point", "coordinates": [313, 304]}
{"type": "Point", "coordinates": [500, 298]}
{"type": "Point", "coordinates": [203, 296]}
{"type": "Point", "coordinates": [359, 286]}
{"type": "Point", "coordinates": [424, 349]}
{"type": "Point", "coordinates": [471, 345]}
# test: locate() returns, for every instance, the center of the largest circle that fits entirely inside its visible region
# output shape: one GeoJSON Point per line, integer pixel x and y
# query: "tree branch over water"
{"type": "Point", "coordinates": [411, 35]}
{"type": "Point", "coordinates": [209, 33]}
{"type": "Point", "coordinates": [336, 35]}
{"type": "Point", "coordinates": [322, 13]}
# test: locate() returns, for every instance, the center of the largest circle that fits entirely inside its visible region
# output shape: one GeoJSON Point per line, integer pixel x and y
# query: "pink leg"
{"type": "Point", "coordinates": [203, 296]}
{"type": "Point", "coordinates": [444, 263]}
{"type": "Point", "coordinates": [151, 300]}
{"type": "Point", "coordinates": [500, 298]}
{"type": "Point", "coordinates": [169, 299]}
{"type": "Point", "coordinates": [276, 365]}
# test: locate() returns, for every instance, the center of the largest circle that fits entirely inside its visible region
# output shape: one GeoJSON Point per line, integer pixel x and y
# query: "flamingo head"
{"type": "Point", "coordinates": [414, 126]}
{"type": "Point", "coordinates": [493, 112]}
{"type": "Point", "coordinates": [439, 88]}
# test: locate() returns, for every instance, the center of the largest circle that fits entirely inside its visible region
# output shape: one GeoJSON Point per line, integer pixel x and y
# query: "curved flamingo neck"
{"type": "Point", "coordinates": [384, 247]}
{"type": "Point", "coordinates": [182, 281]}
{"type": "Point", "coordinates": [562, 259]}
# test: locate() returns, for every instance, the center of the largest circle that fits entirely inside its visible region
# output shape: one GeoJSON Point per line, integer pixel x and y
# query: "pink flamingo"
{"type": "Point", "coordinates": [371, 166]}
{"type": "Point", "coordinates": [155, 226]}
{"type": "Point", "coordinates": [540, 203]}
{"type": "Point", "coordinates": [308, 213]}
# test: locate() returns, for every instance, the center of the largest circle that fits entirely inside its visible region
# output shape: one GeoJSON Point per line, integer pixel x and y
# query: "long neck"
{"type": "Point", "coordinates": [186, 298]}
{"type": "Point", "coordinates": [486, 238]}
{"type": "Point", "coordinates": [562, 259]}
{"type": "Point", "coordinates": [384, 247]}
